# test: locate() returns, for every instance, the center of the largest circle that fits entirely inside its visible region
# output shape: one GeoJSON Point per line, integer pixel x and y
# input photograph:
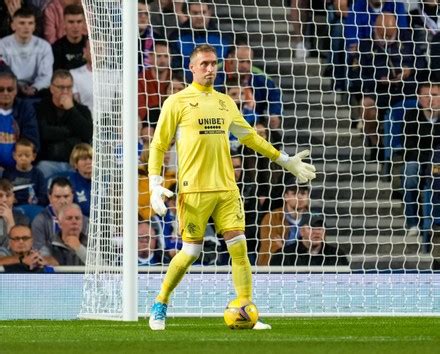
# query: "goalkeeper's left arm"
{"type": "Point", "coordinates": [303, 171]}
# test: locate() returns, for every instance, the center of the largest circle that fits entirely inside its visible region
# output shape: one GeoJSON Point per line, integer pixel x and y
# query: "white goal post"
{"type": "Point", "coordinates": [388, 272]}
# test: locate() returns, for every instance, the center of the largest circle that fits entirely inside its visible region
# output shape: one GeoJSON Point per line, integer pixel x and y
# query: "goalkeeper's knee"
{"type": "Point", "coordinates": [192, 249]}
{"type": "Point", "coordinates": [237, 247]}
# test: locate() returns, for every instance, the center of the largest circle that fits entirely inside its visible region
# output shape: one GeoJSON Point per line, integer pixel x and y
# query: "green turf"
{"type": "Point", "coordinates": [210, 335]}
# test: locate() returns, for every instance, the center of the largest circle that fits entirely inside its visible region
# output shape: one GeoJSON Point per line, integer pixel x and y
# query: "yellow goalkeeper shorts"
{"type": "Point", "coordinates": [194, 210]}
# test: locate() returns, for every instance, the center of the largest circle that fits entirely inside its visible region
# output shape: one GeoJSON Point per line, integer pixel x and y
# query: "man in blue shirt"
{"type": "Point", "coordinates": [17, 119]}
{"type": "Point", "coordinates": [362, 16]}
{"type": "Point", "coordinates": [200, 28]}
{"type": "Point", "coordinates": [267, 95]}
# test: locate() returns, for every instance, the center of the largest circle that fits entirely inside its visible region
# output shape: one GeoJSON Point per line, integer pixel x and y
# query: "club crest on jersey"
{"type": "Point", "coordinates": [192, 228]}
{"type": "Point", "coordinates": [223, 106]}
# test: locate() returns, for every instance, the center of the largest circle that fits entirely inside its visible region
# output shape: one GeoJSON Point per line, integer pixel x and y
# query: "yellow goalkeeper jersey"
{"type": "Point", "coordinates": [200, 119]}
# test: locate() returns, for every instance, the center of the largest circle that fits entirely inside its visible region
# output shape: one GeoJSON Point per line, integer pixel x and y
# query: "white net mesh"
{"type": "Point", "coordinates": [309, 85]}
{"type": "Point", "coordinates": [102, 282]}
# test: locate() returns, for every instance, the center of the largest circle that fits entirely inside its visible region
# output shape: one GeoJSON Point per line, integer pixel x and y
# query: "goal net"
{"type": "Point", "coordinates": [340, 81]}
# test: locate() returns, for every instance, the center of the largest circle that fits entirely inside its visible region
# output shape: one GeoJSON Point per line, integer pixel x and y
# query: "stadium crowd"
{"type": "Point", "coordinates": [377, 51]}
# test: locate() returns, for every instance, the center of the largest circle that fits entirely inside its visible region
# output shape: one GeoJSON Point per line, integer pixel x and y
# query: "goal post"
{"type": "Point", "coordinates": [110, 280]}
{"type": "Point", "coordinates": [387, 271]}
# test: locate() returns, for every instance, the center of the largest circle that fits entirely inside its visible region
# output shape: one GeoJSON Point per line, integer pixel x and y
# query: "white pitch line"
{"type": "Point", "coordinates": [267, 338]}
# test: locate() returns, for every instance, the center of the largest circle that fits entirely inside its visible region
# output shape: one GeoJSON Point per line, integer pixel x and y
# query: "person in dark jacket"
{"type": "Point", "coordinates": [17, 119]}
{"type": "Point", "coordinates": [421, 139]}
{"type": "Point", "coordinates": [199, 28]}
{"type": "Point", "coordinates": [311, 249]}
{"type": "Point", "coordinates": [63, 123]}
{"type": "Point", "coordinates": [387, 73]}
{"type": "Point", "coordinates": [19, 256]}
{"type": "Point", "coordinates": [69, 246]}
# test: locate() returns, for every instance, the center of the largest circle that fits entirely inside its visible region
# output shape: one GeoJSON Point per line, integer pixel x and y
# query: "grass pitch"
{"type": "Point", "coordinates": [209, 335]}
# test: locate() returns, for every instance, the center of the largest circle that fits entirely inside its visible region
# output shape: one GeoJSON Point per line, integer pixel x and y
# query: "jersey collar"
{"type": "Point", "coordinates": [206, 89]}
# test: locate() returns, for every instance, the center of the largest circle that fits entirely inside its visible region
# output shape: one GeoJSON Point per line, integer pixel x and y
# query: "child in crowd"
{"type": "Point", "coordinates": [243, 98]}
{"type": "Point", "coordinates": [81, 178]}
{"type": "Point", "coordinates": [28, 181]}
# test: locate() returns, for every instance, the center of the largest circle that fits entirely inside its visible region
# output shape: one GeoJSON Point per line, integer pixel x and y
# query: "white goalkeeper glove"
{"type": "Point", "coordinates": [303, 171]}
{"type": "Point", "coordinates": [156, 194]}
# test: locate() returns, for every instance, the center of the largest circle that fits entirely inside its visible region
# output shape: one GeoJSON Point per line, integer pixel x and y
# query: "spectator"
{"type": "Point", "coordinates": [30, 58]}
{"type": "Point", "coordinates": [299, 12]}
{"type": "Point", "coordinates": [267, 95]}
{"type": "Point", "coordinates": [63, 124]}
{"type": "Point", "coordinates": [280, 226]}
{"type": "Point", "coordinates": [153, 82]}
{"type": "Point", "coordinates": [28, 181]}
{"type": "Point", "coordinates": [421, 139]}
{"type": "Point", "coordinates": [54, 19]}
{"type": "Point", "coordinates": [243, 98]}
{"type": "Point", "coordinates": [82, 77]}
{"type": "Point", "coordinates": [146, 36]}
{"type": "Point", "coordinates": [435, 57]}
{"type": "Point", "coordinates": [69, 246]}
{"type": "Point", "coordinates": [19, 257]}
{"type": "Point", "coordinates": [309, 27]}
{"type": "Point", "coordinates": [149, 252]}
{"type": "Point", "coordinates": [81, 179]}
{"type": "Point", "coordinates": [358, 25]}
{"type": "Point", "coordinates": [17, 119]}
{"type": "Point", "coordinates": [425, 23]}
{"type": "Point", "coordinates": [362, 17]}
{"type": "Point", "coordinates": [387, 72]}
{"type": "Point", "coordinates": [176, 84]}
{"type": "Point", "coordinates": [144, 208]}
{"type": "Point", "coordinates": [170, 228]}
{"type": "Point", "coordinates": [199, 28]}
{"type": "Point", "coordinates": [250, 202]}
{"type": "Point", "coordinates": [336, 14]}
{"type": "Point", "coordinates": [68, 51]}
{"type": "Point", "coordinates": [8, 8]}
{"type": "Point", "coordinates": [311, 248]}
{"type": "Point", "coordinates": [146, 133]}
{"type": "Point", "coordinates": [267, 176]}
{"type": "Point", "coordinates": [46, 225]}
{"type": "Point", "coordinates": [8, 216]}
{"type": "Point", "coordinates": [166, 16]}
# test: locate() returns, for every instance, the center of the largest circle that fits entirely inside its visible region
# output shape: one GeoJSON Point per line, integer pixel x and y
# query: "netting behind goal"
{"type": "Point", "coordinates": [378, 258]}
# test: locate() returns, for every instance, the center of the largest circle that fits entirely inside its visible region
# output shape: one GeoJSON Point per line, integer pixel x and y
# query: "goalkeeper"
{"type": "Point", "coordinates": [200, 119]}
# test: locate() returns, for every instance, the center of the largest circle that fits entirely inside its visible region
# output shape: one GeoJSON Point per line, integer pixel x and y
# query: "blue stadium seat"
{"type": "Point", "coordinates": [30, 210]}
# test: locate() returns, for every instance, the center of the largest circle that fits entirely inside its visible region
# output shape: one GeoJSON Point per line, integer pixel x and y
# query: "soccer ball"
{"type": "Point", "coordinates": [240, 317]}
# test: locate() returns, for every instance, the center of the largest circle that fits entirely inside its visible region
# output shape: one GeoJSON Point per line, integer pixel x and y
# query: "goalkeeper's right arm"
{"type": "Point", "coordinates": [156, 194]}
{"type": "Point", "coordinates": [155, 181]}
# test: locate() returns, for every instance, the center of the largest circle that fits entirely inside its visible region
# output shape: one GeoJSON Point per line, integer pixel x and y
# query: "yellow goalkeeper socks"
{"type": "Point", "coordinates": [176, 270]}
{"type": "Point", "coordinates": [241, 268]}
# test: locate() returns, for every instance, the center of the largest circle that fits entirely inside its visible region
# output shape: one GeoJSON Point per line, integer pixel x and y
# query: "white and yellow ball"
{"type": "Point", "coordinates": [240, 317]}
